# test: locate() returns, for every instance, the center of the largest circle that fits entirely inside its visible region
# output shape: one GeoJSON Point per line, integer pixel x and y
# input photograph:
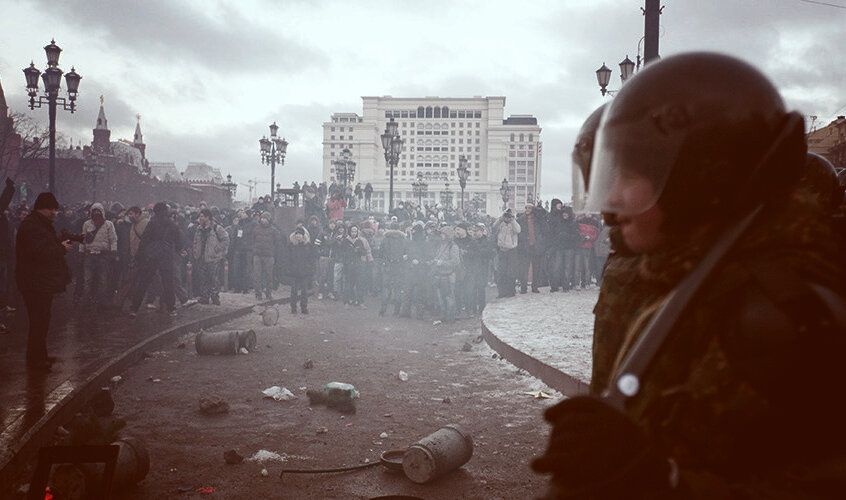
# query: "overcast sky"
{"type": "Point", "coordinates": [209, 76]}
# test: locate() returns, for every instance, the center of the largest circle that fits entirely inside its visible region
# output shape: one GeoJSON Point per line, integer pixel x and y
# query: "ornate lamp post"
{"type": "Point", "coordinates": [230, 187]}
{"type": "Point", "coordinates": [92, 167]}
{"type": "Point", "coordinates": [392, 144]}
{"type": "Point", "coordinates": [603, 75]}
{"type": "Point", "coordinates": [345, 168]}
{"type": "Point", "coordinates": [419, 186]}
{"type": "Point", "coordinates": [52, 78]}
{"type": "Point", "coordinates": [273, 150]}
{"type": "Point", "coordinates": [446, 196]}
{"type": "Point", "coordinates": [463, 174]}
{"type": "Point", "coordinates": [503, 191]}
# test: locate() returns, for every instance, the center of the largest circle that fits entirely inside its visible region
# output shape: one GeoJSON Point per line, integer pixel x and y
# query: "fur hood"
{"type": "Point", "coordinates": [306, 237]}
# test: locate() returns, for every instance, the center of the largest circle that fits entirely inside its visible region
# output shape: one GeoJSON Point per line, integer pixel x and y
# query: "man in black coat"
{"type": "Point", "coordinates": [41, 273]}
{"type": "Point", "coordinates": [156, 253]}
{"type": "Point", "coordinates": [300, 267]}
{"type": "Point", "coordinates": [531, 245]}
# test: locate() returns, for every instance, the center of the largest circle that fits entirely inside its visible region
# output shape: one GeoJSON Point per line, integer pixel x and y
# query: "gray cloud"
{"type": "Point", "coordinates": [156, 29]}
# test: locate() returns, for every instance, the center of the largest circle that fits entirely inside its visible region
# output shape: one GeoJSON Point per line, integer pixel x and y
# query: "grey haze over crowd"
{"type": "Point", "coordinates": [208, 77]}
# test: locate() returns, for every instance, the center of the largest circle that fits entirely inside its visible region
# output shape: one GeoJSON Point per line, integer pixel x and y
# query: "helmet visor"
{"type": "Point", "coordinates": [629, 167]}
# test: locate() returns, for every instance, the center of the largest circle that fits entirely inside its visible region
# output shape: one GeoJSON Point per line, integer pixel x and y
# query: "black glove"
{"type": "Point", "coordinates": [596, 451]}
{"type": "Point", "coordinates": [10, 182]}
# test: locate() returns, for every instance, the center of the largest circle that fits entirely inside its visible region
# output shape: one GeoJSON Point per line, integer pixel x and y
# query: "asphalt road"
{"type": "Point", "coordinates": [452, 377]}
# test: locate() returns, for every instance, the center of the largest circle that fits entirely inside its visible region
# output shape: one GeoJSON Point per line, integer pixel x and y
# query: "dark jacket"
{"type": "Point", "coordinates": [564, 232]}
{"type": "Point", "coordinates": [159, 243]}
{"type": "Point", "coordinates": [354, 251]}
{"type": "Point", "coordinates": [265, 240]}
{"type": "Point", "coordinates": [41, 266]}
{"type": "Point", "coordinates": [299, 259]}
{"type": "Point", "coordinates": [539, 230]}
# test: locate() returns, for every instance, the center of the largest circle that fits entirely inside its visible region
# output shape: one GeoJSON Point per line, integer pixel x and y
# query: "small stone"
{"type": "Point", "coordinates": [213, 405]}
{"type": "Point", "coordinates": [322, 430]}
{"type": "Point", "coordinates": [447, 401]}
{"type": "Point", "coordinates": [264, 473]}
{"type": "Point", "coordinates": [383, 435]}
{"type": "Point", "coordinates": [388, 415]}
{"type": "Point", "coordinates": [466, 347]}
{"type": "Point", "coordinates": [308, 365]}
{"type": "Point", "coordinates": [232, 457]}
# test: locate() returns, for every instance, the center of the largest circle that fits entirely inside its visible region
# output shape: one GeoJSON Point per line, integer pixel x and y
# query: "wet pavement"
{"type": "Point", "coordinates": [84, 340]}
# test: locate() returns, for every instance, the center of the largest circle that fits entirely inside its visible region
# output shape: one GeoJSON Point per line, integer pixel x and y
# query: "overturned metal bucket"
{"type": "Point", "coordinates": [226, 342]}
{"type": "Point", "coordinates": [441, 452]}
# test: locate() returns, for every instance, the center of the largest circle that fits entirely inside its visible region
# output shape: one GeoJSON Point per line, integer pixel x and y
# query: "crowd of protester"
{"type": "Point", "coordinates": [430, 262]}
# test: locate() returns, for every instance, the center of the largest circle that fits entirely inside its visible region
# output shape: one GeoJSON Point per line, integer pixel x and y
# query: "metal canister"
{"type": "Point", "coordinates": [227, 342]}
{"type": "Point", "coordinates": [247, 340]}
{"type": "Point", "coordinates": [445, 450]}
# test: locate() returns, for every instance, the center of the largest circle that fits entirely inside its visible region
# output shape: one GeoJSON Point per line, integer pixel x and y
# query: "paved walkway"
{"type": "Point", "coordinates": [91, 348]}
{"type": "Point", "coordinates": [550, 335]}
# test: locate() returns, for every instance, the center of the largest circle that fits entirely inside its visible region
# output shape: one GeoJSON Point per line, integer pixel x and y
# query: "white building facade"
{"type": "Point", "coordinates": [437, 131]}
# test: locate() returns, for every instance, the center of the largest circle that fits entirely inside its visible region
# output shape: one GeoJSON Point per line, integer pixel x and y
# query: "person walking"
{"type": "Point", "coordinates": [394, 256]}
{"type": "Point", "coordinates": [445, 262]}
{"type": "Point", "coordinates": [41, 272]}
{"type": "Point", "coordinates": [156, 252]}
{"type": "Point", "coordinates": [211, 242]}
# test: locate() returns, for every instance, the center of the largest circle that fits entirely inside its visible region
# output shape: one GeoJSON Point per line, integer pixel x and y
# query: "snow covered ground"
{"type": "Point", "coordinates": [553, 328]}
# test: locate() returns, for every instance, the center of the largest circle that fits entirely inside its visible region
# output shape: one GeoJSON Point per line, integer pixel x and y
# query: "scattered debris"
{"type": "Point", "coordinates": [264, 473]}
{"type": "Point", "coordinates": [308, 365]}
{"type": "Point", "coordinates": [436, 322]}
{"type": "Point", "coordinates": [466, 347]}
{"type": "Point", "coordinates": [538, 394]}
{"type": "Point", "coordinates": [322, 430]}
{"type": "Point", "coordinates": [116, 379]}
{"type": "Point", "coordinates": [232, 457]}
{"type": "Point", "coordinates": [205, 490]}
{"type": "Point", "coordinates": [243, 350]}
{"type": "Point", "coordinates": [213, 405]}
{"type": "Point", "coordinates": [383, 435]}
{"type": "Point", "coordinates": [479, 339]}
{"type": "Point", "coordinates": [494, 356]}
{"type": "Point", "coordinates": [402, 376]}
{"type": "Point", "coordinates": [413, 352]}
{"type": "Point", "coordinates": [447, 401]}
{"type": "Point", "coordinates": [262, 456]}
{"type": "Point", "coordinates": [388, 415]}
{"type": "Point", "coordinates": [278, 393]}
{"type": "Point", "coordinates": [154, 380]}
{"type": "Point", "coordinates": [184, 489]}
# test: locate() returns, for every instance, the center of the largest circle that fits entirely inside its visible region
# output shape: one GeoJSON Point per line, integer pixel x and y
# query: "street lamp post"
{"type": "Point", "coordinates": [446, 196]}
{"type": "Point", "coordinates": [503, 191]}
{"type": "Point", "coordinates": [273, 150]}
{"type": "Point", "coordinates": [52, 78]}
{"type": "Point", "coordinates": [230, 187]}
{"type": "Point", "coordinates": [345, 168]}
{"type": "Point", "coordinates": [603, 75]}
{"type": "Point", "coordinates": [419, 186]}
{"type": "Point", "coordinates": [92, 167]}
{"type": "Point", "coordinates": [463, 174]}
{"type": "Point", "coordinates": [392, 144]}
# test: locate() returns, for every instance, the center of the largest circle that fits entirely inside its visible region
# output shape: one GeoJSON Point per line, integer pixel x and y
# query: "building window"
{"type": "Point", "coordinates": [404, 115]}
{"type": "Point", "coordinates": [477, 114]}
{"type": "Point", "coordinates": [522, 137]}
{"type": "Point", "coordinates": [437, 113]}
{"type": "Point", "coordinates": [428, 111]}
{"type": "Point", "coordinates": [453, 114]}
{"type": "Point", "coordinates": [420, 112]}
{"type": "Point", "coordinates": [512, 138]}
{"type": "Point", "coordinates": [332, 129]}
{"type": "Point", "coordinates": [332, 138]}
{"type": "Point", "coordinates": [531, 137]}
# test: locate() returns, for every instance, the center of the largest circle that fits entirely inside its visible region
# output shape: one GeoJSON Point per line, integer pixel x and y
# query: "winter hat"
{"type": "Point", "coordinates": [265, 215]}
{"type": "Point", "coordinates": [46, 200]}
{"type": "Point", "coordinates": [298, 230]}
{"type": "Point", "coordinates": [160, 208]}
